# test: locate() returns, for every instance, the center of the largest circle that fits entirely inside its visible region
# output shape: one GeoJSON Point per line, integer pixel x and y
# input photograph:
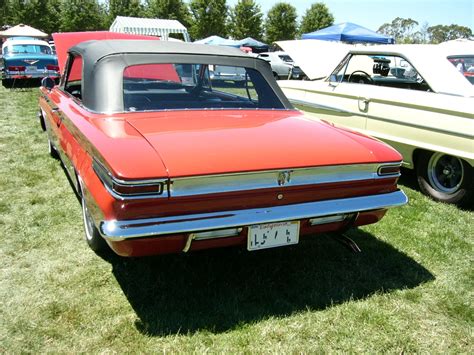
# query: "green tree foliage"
{"type": "Point", "coordinates": [441, 33]}
{"type": "Point", "coordinates": [281, 23]}
{"type": "Point", "coordinates": [246, 20]}
{"type": "Point", "coordinates": [169, 9]}
{"type": "Point", "coordinates": [132, 8]}
{"type": "Point", "coordinates": [208, 17]}
{"type": "Point", "coordinates": [403, 30]}
{"type": "Point", "coordinates": [82, 15]}
{"type": "Point", "coordinates": [41, 14]}
{"type": "Point", "coordinates": [4, 13]}
{"type": "Point", "coordinates": [316, 17]}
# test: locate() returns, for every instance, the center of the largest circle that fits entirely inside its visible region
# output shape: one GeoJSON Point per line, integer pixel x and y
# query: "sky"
{"type": "Point", "coordinates": [374, 13]}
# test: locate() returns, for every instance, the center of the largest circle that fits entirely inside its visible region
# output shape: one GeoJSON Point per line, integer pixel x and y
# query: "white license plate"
{"type": "Point", "coordinates": [31, 68]}
{"type": "Point", "coordinates": [271, 235]}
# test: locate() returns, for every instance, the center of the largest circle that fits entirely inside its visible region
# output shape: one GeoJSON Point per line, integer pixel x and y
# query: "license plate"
{"type": "Point", "coordinates": [271, 235]}
{"type": "Point", "coordinates": [31, 68]}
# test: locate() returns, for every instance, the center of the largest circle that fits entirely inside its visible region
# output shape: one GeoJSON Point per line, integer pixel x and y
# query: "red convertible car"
{"type": "Point", "coordinates": [166, 160]}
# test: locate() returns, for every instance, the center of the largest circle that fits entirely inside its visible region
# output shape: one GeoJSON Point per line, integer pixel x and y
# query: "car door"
{"type": "Point", "coordinates": [344, 104]}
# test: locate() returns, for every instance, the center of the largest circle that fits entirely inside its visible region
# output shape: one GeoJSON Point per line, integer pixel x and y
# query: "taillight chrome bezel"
{"type": "Point", "coordinates": [130, 189]}
{"type": "Point", "coordinates": [389, 170]}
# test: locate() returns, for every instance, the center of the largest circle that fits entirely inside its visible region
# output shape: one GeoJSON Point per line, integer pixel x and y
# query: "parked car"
{"type": "Point", "coordinates": [221, 74]}
{"type": "Point", "coordinates": [410, 96]}
{"type": "Point", "coordinates": [282, 65]}
{"type": "Point", "coordinates": [164, 161]}
{"type": "Point", "coordinates": [27, 58]}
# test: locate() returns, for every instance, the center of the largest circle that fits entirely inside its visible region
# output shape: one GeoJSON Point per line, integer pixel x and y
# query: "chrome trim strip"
{"type": "Point", "coordinates": [120, 230]}
{"type": "Point", "coordinates": [312, 105]}
{"type": "Point", "coordinates": [211, 184]}
{"type": "Point", "coordinates": [421, 127]}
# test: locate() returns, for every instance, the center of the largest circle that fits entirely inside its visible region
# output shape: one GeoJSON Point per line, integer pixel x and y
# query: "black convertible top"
{"type": "Point", "coordinates": [105, 60]}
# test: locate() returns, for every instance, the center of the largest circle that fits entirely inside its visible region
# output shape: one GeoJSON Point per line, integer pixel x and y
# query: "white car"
{"type": "Point", "coordinates": [410, 96]}
{"type": "Point", "coordinates": [282, 65]}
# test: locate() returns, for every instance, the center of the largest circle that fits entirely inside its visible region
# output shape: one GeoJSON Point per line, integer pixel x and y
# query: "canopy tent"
{"type": "Point", "coordinates": [149, 27]}
{"type": "Point", "coordinates": [22, 30]}
{"type": "Point", "coordinates": [257, 46]}
{"type": "Point", "coordinates": [218, 41]}
{"type": "Point", "coordinates": [246, 42]}
{"type": "Point", "coordinates": [349, 32]}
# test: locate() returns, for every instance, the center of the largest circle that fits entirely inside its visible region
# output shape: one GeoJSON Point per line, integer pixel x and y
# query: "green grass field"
{"type": "Point", "coordinates": [410, 290]}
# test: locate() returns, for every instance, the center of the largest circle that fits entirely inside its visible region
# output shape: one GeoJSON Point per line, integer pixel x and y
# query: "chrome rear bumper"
{"type": "Point", "coordinates": [151, 227]}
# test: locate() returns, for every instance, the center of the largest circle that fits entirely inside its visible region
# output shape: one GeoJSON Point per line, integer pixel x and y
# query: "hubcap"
{"type": "Point", "coordinates": [445, 173]}
{"type": "Point", "coordinates": [87, 221]}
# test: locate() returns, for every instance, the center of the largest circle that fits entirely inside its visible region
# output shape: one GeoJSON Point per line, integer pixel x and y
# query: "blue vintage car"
{"type": "Point", "coordinates": [27, 58]}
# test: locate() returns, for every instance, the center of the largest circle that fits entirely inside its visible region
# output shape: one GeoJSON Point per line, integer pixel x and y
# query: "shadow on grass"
{"type": "Point", "coordinates": [222, 289]}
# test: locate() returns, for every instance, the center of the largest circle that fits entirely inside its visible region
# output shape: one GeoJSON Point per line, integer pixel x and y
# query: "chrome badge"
{"type": "Point", "coordinates": [30, 61]}
{"type": "Point", "coordinates": [284, 177]}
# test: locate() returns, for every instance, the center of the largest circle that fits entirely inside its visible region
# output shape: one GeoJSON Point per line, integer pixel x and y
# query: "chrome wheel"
{"type": "Point", "coordinates": [93, 237]}
{"type": "Point", "coordinates": [88, 224]}
{"type": "Point", "coordinates": [445, 173]}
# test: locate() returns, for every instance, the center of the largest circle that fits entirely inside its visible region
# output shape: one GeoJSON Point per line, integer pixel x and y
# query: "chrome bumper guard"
{"type": "Point", "coordinates": [151, 227]}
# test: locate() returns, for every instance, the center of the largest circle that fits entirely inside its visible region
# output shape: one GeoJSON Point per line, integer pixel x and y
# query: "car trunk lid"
{"type": "Point", "coordinates": [195, 143]}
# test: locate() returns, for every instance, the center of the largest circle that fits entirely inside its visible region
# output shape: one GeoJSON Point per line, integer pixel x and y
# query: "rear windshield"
{"type": "Point", "coordinates": [171, 86]}
{"type": "Point", "coordinates": [28, 49]}
{"type": "Point", "coordinates": [465, 65]}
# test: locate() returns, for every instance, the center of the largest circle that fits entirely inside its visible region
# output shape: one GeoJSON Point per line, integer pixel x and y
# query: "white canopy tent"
{"type": "Point", "coordinates": [22, 30]}
{"type": "Point", "coordinates": [149, 27]}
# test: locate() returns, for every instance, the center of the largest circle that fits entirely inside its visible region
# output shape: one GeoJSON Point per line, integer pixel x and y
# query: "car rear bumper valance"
{"type": "Point", "coordinates": [140, 228]}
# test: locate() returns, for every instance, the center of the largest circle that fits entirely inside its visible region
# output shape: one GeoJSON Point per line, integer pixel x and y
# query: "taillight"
{"type": "Point", "coordinates": [52, 67]}
{"type": "Point", "coordinates": [129, 188]}
{"type": "Point", "coordinates": [138, 189]}
{"type": "Point", "coordinates": [385, 170]}
{"type": "Point", "coordinates": [17, 68]}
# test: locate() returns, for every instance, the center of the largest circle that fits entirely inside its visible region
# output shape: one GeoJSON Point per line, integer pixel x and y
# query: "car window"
{"type": "Point", "coordinates": [286, 58]}
{"type": "Point", "coordinates": [195, 86]}
{"type": "Point", "coordinates": [30, 49]}
{"type": "Point", "coordinates": [381, 70]}
{"type": "Point", "coordinates": [73, 81]}
{"type": "Point", "coordinates": [465, 65]}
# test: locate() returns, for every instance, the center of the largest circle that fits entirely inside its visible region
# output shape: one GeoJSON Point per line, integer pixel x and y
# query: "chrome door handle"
{"type": "Point", "coordinates": [363, 104]}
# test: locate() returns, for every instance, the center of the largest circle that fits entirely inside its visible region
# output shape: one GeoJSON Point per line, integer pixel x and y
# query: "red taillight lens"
{"type": "Point", "coordinates": [52, 67]}
{"type": "Point", "coordinates": [16, 68]}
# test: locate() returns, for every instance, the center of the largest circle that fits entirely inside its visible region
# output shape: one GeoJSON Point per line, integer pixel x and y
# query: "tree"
{"type": "Point", "coordinates": [82, 15]}
{"type": "Point", "coordinates": [246, 20]}
{"type": "Point", "coordinates": [401, 29]}
{"type": "Point", "coordinates": [4, 13]}
{"type": "Point", "coordinates": [316, 17]}
{"type": "Point", "coordinates": [281, 23]}
{"type": "Point", "coordinates": [169, 9]}
{"type": "Point", "coordinates": [441, 33]}
{"type": "Point", "coordinates": [132, 8]}
{"type": "Point", "coordinates": [41, 14]}
{"type": "Point", "coordinates": [208, 17]}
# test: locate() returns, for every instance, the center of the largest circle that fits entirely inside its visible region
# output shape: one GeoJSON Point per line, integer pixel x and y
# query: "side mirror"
{"type": "Point", "coordinates": [48, 83]}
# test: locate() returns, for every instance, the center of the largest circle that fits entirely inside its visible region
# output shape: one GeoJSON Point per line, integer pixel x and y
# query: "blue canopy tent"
{"type": "Point", "coordinates": [349, 32]}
